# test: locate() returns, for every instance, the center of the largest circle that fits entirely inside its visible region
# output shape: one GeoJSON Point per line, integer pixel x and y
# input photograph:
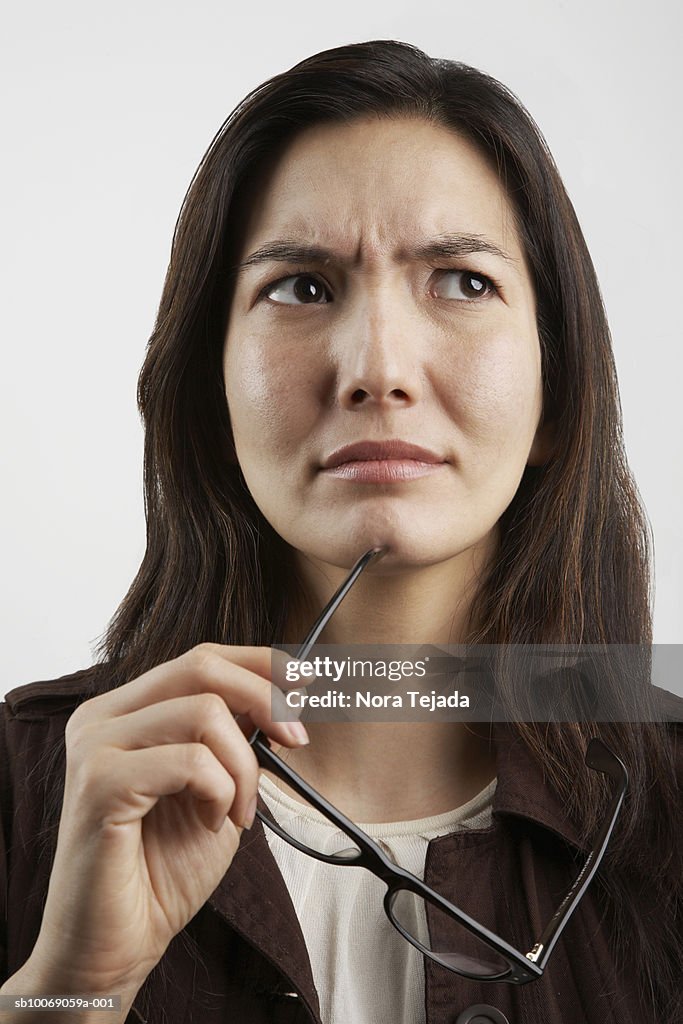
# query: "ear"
{"type": "Point", "coordinates": [543, 444]}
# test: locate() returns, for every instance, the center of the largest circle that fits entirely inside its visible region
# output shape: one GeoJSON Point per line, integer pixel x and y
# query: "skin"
{"type": "Point", "coordinates": [386, 347]}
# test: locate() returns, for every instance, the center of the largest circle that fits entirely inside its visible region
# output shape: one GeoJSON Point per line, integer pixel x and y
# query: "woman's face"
{"type": "Point", "coordinates": [414, 322]}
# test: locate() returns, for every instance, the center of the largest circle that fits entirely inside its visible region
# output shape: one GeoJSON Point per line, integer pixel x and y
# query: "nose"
{"type": "Point", "coordinates": [378, 351]}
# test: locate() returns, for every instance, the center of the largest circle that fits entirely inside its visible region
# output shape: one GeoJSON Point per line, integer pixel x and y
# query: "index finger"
{"type": "Point", "coordinates": [187, 674]}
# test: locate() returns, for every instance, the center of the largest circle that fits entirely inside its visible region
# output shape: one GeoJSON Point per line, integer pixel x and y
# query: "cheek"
{"type": "Point", "coordinates": [498, 388]}
{"type": "Point", "coordinates": [262, 395]}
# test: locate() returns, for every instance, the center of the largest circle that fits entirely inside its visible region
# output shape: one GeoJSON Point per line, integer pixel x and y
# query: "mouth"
{"type": "Point", "coordinates": [388, 461]}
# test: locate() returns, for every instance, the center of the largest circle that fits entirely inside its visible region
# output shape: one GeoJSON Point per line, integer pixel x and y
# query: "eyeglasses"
{"type": "Point", "coordinates": [439, 929]}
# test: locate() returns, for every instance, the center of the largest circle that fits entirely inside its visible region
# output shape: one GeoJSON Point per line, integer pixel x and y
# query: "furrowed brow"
{"type": "Point", "coordinates": [287, 250]}
{"type": "Point", "coordinates": [457, 245]}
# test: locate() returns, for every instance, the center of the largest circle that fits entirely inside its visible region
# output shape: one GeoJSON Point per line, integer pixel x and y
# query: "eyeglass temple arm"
{"type": "Point", "coordinates": [336, 599]}
{"type": "Point", "coordinates": [600, 758]}
{"type": "Point", "coordinates": [325, 616]}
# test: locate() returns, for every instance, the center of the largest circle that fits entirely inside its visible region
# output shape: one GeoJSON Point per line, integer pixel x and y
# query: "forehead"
{"type": "Point", "coordinates": [379, 183]}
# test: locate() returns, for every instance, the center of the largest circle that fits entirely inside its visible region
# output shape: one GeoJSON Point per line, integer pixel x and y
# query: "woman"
{"type": "Point", "coordinates": [376, 251]}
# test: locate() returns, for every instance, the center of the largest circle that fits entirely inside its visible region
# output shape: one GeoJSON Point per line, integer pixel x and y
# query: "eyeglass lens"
{"type": "Point", "coordinates": [447, 940]}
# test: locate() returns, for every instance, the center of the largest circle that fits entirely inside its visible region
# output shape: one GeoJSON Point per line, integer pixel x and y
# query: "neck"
{"type": "Point", "coordinates": [382, 772]}
{"type": "Point", "coordinates": [394, 771]}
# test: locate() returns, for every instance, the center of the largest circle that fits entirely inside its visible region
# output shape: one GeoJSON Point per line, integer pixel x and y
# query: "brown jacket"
{"type": "Point", "coordinates": [243, 960]}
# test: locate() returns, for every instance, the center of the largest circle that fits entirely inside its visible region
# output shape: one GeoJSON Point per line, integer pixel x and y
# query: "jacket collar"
{"type": "Point", "coordinates": [523, 791]}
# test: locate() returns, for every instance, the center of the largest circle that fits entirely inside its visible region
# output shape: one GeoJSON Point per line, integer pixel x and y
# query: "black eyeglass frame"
{"type": "Point", "coordinates": [522, 967]}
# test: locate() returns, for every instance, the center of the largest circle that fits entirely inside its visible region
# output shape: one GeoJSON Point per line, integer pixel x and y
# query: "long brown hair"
{"type": "Point", "coordinates": [573, 565]}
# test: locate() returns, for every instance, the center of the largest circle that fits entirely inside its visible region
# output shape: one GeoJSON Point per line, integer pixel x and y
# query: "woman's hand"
{"type": "Point", "coordinates": [160, 780]}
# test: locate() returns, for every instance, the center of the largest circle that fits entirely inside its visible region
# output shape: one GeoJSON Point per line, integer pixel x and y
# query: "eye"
{"type": "Point", "coordinates": [467, 285]}
{"type": "Point", "coordinates": [298, 289]}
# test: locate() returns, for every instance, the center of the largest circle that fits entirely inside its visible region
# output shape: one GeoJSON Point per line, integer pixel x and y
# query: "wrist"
{"type": "Point", "coordinates": [37, 979]}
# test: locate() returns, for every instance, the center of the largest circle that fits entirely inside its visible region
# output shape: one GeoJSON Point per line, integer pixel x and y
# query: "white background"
{"type": "Point", "coordinates": [109, 110]}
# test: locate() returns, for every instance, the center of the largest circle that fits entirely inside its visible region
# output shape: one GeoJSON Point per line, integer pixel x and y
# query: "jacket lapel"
{"type": "Point", "coordinates": [254, 900]}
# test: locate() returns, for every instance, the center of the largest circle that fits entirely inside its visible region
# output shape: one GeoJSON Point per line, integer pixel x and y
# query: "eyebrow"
{"type": "Point", "coordinates": [286, 250]}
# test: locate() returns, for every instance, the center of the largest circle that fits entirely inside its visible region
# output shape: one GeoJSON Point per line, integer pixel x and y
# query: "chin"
{"type": "Point", "coordinates": [404, 549]}
{"type": "Point", "coordinates": [413, 538]}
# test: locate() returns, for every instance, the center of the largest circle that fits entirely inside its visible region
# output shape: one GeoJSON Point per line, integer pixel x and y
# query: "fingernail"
{"type": "Point", "coordinates": [250, 815]}
{"type": "Point", "coordinates": [298, 733]}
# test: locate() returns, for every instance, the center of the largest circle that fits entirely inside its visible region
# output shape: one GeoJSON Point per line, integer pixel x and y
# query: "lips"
{"type": "Point", "coordinates": [378, 451]}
